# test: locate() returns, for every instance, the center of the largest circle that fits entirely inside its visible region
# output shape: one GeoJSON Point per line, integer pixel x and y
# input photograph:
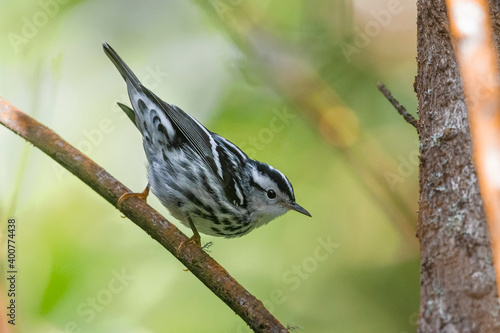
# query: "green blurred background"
{"type": "Point", "coordinates": [83, 268]}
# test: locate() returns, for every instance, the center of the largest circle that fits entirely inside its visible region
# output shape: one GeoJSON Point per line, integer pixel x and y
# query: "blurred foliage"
{"type": "Point", "coordinates": [85, 269]}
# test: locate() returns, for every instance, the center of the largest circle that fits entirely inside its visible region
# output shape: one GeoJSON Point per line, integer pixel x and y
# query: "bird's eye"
{"type": "Point", "coordinates": [271, 194]}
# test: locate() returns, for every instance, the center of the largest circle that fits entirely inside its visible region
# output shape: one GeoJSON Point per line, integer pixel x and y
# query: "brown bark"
{"type": "Point", "coordinates": [458, 286]}
{"type": "Point", "coordinates": [204, 267]}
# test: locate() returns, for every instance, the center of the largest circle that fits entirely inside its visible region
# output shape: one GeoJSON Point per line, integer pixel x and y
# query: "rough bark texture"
{"type": "Point", "coordinates": [458, 290]}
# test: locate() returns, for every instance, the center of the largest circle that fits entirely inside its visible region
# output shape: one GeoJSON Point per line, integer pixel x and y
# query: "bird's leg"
{"type": "Point", "coordinates": [143, 195]}
{"type": "Point", "coordinates": [194, 239]}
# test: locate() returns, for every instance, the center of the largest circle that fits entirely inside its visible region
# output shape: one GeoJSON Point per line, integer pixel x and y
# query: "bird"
{"type": "Point", "coordinates": [203, 179]}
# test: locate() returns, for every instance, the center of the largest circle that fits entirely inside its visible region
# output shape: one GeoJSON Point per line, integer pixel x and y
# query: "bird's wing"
{"type": "Point", "coordinates": [180, 123]}
{"type": "Point", "coordinates": [195, 134]}
{"type": "Point", "coordinates": [233, 162]}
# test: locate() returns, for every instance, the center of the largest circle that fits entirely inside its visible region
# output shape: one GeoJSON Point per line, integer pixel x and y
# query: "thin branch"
{"type": "Point", "coordinates": [401, 109]}
{"type": "Point", "coordinates": [472, 39]}
{"type": "Point", "coordinates": [205, 268]}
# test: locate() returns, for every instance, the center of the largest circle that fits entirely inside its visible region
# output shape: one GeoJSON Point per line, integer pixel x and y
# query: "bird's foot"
{"type": "Point", "coordinates": [196, 239]}
{"type": "Point", "coordinates": [143, 195]}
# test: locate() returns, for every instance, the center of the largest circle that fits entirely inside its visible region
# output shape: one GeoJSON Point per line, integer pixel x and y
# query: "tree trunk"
{"type": "Point", "coordinates": [458, 290]}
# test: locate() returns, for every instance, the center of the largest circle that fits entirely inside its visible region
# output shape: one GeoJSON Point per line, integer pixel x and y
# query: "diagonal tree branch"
{"type": "Point", "coordinates": [205, 268]}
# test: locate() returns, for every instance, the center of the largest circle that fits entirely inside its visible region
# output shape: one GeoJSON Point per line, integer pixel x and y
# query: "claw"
{"type": "Point", "coordinates": [196, 239]}
{"type": "Point", "coordinates": [143, 195]}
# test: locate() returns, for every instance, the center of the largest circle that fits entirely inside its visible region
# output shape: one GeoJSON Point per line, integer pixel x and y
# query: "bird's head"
{"type": "Point", "coordinates": [271, 193]}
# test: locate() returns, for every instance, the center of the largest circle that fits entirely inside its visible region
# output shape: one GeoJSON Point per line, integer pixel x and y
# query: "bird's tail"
{"type": "Point", "coordinates": [122, 67]}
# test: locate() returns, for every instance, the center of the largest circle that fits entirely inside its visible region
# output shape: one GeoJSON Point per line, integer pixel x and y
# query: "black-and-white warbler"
{"type": "Point", "coordinates": [204, 180]}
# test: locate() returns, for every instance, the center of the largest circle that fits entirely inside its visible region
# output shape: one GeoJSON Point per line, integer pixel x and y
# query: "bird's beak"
{"type": "Point", "coordinates": [296, 207]}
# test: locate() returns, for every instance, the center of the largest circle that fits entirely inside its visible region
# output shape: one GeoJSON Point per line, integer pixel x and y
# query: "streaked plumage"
{"type": "Point", "coordinates": [199, 175]}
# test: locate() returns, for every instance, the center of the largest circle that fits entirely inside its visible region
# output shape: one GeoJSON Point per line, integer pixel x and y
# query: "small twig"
{"type": "Point", "coordinates": [293, 77]}
{"type": "Point", "coordinates": [401, 109]}
{"type": "Point", "coordinates": [204, 267]}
